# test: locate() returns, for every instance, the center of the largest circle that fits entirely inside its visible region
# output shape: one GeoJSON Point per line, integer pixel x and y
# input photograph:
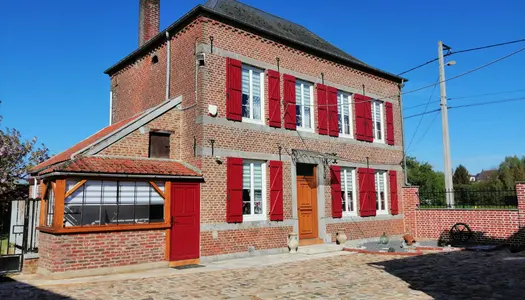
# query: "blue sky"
{"type": "Point", "coordinates": [54, 53]}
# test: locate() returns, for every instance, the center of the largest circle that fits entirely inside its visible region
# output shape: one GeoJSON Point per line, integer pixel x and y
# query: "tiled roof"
{"type": "Point", "coordinates": [65, 155]}
{"type": "Point", "coordinates": [121, 165]}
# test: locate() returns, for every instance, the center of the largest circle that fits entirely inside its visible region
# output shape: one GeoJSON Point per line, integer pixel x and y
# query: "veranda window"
{"type": "Point", "coordinates": [99, 202]}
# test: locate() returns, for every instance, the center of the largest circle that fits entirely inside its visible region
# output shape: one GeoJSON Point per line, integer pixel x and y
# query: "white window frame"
{"type": "Point", "coordinates": [303, 83]}
{"type": "Point", "coordinates": [251, 71]}
{"type": "Point", "coordinates": [381, 210]}
{"type": "Point", "coordinates": [344, 188]}
{"type": "Point", "coordinates": [252, 216]}
{"type": "Point", "coordinates": [382, 121]}
{"type": "Point", "coordinates": [350, 97]}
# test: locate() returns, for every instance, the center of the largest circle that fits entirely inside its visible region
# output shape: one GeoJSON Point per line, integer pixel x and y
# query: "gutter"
{"type": "Point", "coordinates": [405, 171]}
{"type": "Point", "coordinates": [168, 63]}
{"type": "Point", "coordinates": [117, 175]}
{"type": "Point", "coordinates": [205, 11]}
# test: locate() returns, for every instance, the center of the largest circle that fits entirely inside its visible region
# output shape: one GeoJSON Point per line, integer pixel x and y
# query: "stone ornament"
{"type": "Point", "coordinates": [293, 242]}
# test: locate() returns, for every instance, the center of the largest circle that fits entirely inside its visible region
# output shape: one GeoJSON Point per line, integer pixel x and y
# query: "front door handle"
{"type": "Point", "coordinates": [172, 221]}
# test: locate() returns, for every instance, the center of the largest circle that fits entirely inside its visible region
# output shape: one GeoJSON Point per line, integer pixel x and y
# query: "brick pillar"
{"type": "Point", "coordinates": [410, 203]}
{"type": "Point", "coordinates": [519, 237]}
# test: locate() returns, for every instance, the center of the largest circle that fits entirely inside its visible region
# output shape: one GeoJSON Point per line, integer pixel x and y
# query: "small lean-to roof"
{"type": "Point", "coordinates": [66, 154]}
{"type": "Point", "coordinates": [110, 134]}
{"type": "Point", "coordinates": [252, 19]}
{"type": "Point", "coordinates": [101, 165]}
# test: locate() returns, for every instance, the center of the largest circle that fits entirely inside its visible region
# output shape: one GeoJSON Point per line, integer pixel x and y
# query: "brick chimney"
{"type": "Point", "coordinates": [149, 20]}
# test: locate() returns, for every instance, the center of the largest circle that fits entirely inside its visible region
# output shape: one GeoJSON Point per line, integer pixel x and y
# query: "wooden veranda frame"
{"type": "Point", "coordinates": [60, 194]}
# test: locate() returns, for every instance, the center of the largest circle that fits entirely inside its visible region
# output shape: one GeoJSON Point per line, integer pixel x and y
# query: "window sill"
{"type": "Point", "coordinates": [246, 218]}
{"type": "Point", "coordinates": [105, 228]}
{"type": "Point", "coordinates": [305, 129]}
{"type": "Point", "coordinates": [381, 213]}
{"type": "Point", "coordinates": [346, 136]}
{"type": "Point", "coordinates": [349, 215]}
{"type": "Point", "coordinates": [379, 141]}
{"type": "Point", "coordinates": [252, 121]}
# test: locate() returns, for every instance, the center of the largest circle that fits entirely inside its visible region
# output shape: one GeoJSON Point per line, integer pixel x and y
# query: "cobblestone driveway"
{"type": "Point", "coordinates": [459, 275]}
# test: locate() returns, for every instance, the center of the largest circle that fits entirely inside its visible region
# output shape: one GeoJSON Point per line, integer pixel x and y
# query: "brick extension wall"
{"type": "Point", "coordinates": [502, 226]}
{"type": "Point", "coordinates": [60, 253]}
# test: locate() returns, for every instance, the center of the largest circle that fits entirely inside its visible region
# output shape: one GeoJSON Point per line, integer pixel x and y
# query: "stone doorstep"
{"type": "Point", "coordinates": [309, 252]}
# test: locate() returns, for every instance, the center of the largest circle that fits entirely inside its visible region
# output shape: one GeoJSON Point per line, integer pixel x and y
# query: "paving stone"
{"type": "Point", "coordinates": [458, 275]}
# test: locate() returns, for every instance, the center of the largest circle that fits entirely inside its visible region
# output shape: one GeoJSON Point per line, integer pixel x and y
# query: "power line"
{"type": "Point", "coordinates": [485, 47]}
{"type": "Point", "coordinates": [488, 102]}
{"type": "Point", "coordinates": [470, 96]}
{"type": "Point", "coordinates": [426, 86]}
{"type": "Point", "coordinates": [417, 67]}
{"type": "Point", "coordinates": [468, 105]}
{"type": "Point", "coordinates": [461, 51]}
{"type": "Point", "coordinates": [487, 94]}
{"type": "Point", "coordinates": [424, 113]}
{"type": "Point", "coordinates": [422, 116]}
{"type": "Point", "coordinates": [426, 131]}
{"type": "Point", "coordinates": [467, 72]}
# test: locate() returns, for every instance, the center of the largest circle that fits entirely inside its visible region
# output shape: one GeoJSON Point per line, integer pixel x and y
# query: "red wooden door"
{"type": "Point", "coordinates": [185, 221]}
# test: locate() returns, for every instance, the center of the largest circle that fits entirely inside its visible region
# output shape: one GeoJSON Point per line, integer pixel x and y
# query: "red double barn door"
{"type": "Point", "coordinates": [185, 221]}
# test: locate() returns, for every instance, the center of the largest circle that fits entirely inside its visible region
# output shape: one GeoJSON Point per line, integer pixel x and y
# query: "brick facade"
{"type": "Point", "coordinates": [209, 87]}
{"type": "Point", "coordinates": [501, 226]}
{"type": "Point", "coordinates": [140, 85]}
{"type": "Point", "coordinates": [60, 253]}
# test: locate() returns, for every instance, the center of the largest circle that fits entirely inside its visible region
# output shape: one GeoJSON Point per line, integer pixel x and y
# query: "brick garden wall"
{"type": "Point", "coordinates": [60, 253]}
{"type": "Point", "coordinates": [505, 226]}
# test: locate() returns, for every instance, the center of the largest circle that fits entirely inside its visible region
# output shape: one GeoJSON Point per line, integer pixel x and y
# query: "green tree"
{"type": "Point", "coordinates": [461, 175]}
{"type": "Point", "coordinates": [511, 170]}
{"type": "Point", "coordinates": [423, 175]}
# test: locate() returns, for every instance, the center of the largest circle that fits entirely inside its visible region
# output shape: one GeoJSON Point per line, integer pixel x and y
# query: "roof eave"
{"type": "Point", "coordinates": [119, 175]}
{"type": "Point", "coordinates": [201, 10]}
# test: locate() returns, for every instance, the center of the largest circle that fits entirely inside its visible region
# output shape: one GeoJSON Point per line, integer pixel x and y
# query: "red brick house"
{"type": "Point", "coordinates": [229, 130]}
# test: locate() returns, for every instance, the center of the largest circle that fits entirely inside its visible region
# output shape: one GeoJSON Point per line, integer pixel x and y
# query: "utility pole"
{"type": "Point", "coordinates": [449, 187]}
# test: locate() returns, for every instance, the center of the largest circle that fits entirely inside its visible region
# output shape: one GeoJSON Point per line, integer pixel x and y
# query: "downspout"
{"type": "Point", "coordinates": [405, 173]}
{"type": "Point", "coordinates": [35, 186]}
{"type": "Point", "coordinates": [168, 62]}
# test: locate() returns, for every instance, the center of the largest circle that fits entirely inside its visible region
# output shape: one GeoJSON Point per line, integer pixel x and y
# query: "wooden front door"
{"type": "Point", "coordinates": [185, 221]}
{"type": "Point", "coordinates": [307, 205]}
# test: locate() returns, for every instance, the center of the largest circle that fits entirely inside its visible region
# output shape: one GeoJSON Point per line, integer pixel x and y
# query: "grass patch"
{"type": "Point", "coordinates": [5, 247]}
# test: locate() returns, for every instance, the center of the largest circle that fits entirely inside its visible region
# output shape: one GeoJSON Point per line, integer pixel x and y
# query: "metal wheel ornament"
{"type": "Point", "coordinates": [460, 232]}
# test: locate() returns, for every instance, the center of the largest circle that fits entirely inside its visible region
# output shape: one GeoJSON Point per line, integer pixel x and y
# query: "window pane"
{"type": "Point", "coordinates": [299, 105]}
{"type": "Point", "coordinates": [307, 107]}
{"type": "Point", "coordinates": [126, 209]}
{"type": "Point", "coordinates": [256, 85]}
{"type": "Point", "coordinates": [257, 176]}
{"type": "Point", "coordinates": [109, 206]}
{"type": "Point", "coordinates": [50, 207]}
{"type": "Point", "coordinates": [246, 186]}
{"type": "Point", "coordinates": [142, 196]}
{"type": "Point", "coordinates": [245, 93]}
{"type": "Point", "coordinates": [257, 202]}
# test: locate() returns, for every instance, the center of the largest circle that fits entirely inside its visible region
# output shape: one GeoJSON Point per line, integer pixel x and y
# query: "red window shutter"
{"type": "Point", "coordinates": [233, 89]}
{"type": "Point", "coordinates": [322, 109]}
{"type": "Point", "coordinates": [234, 190]}
{"type": "Point", "coordinates": [367, 198]}
{"type": "Point", "coordinates": [332, 109]}
{"type": "Point", "coordinates": [360, 120]}
{"type": "Point", "coordinates": [372, 192]}
{"type": "Point", "coordinates": [276, 190]}
{"type": "Point", "coordinates": [394, 206]}
{"type": "Point", "coordinates": [369, 129]}
{"type": "Point", "coordinates": [290, 120]}
{"type": "Point", "coordinates": [335, 184]}
{"type": "Point", "coordinates": [389, 123]}
{"type": "Point", "coordinates": [274, 98]}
